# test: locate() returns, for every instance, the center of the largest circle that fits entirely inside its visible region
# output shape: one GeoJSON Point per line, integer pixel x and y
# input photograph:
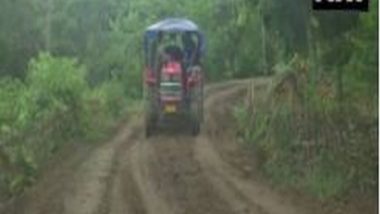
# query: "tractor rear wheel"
{"type": "Point", "coordinates": [195, 128]}
{"type": "Point", "coordinates": [150, 124]}
{"type": "Point", "coordinates": [149, 129]}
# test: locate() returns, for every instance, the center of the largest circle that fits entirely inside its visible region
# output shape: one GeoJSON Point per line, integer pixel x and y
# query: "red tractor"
{"type": "Point", "coordinates": [173, 75]}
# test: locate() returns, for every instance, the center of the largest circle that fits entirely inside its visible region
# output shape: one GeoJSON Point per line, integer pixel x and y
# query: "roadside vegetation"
{"type": "Point", "coordinates": [316, 125]}
{"type": "Point", "coordinates": [54, 105]}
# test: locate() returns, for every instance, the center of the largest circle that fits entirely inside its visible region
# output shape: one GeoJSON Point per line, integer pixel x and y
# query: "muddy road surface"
{"type": "Point", "coordinates": [166, 174]}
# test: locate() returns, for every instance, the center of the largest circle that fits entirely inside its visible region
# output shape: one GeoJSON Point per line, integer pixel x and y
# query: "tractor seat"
{"type": "Point", "coordinates": [174, 52]}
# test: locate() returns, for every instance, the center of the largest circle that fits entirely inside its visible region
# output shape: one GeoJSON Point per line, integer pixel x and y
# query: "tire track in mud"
{"type": "Point", "coordinates": [140, 173]}
{"type": "Point", "coordinates": [78, 182]}
{"type": "Point", "coordinates": [161, 176]}
{"type": "Point", "coordinates": [215, 166]}
{"type": "Point", "coordinates": [144, 173]}
{"type": "Point", "coordinates": [94, 179]}
{"type": "Point", "coordinates": [180, 178]}
{"type": "Point", "coordinates": [247, 196]}
{"type": "Point", "coordinates": [121, 188]}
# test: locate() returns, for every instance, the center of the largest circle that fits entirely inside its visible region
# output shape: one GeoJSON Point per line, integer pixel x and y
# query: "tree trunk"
{"type": "Point", "coordinates": [48, 17]}
{"type": "Point", "coordinates": [264, 42]}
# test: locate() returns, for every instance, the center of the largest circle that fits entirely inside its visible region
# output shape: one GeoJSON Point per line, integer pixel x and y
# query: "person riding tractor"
{"type": "Point", "coordinates": [173, 74]}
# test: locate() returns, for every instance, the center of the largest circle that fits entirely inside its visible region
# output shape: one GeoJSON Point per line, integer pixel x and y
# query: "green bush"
{"type": "Point", "coordinates": [107, 102]}
{"type": "Point", "coordinates": [10, 115]}
{"type": "Point", "coordinates": [53, 106]}
{"type": "Point", "coordinates": [58, 86]}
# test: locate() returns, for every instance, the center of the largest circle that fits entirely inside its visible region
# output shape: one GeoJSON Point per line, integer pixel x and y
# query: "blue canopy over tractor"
{"type": "Point", "coordinates": [173, 25]}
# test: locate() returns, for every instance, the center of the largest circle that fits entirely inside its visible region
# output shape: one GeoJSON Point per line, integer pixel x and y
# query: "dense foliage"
{"type": "Point", "coordinates": [93, 60]}
{"type": "Point", "coordinates": [52, 106]}
{"type": "Point", "coordinates": [317, 128]}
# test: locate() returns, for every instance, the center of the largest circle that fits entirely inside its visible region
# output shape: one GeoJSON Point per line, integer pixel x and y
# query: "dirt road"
{"type": "Point", "coordinates": [166, 174]}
